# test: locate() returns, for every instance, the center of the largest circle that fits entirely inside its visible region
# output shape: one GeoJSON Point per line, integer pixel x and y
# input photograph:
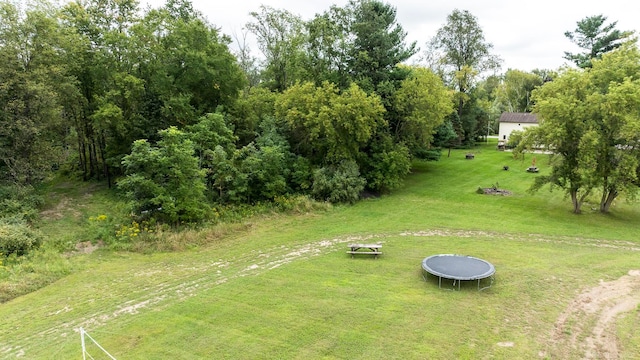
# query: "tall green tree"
{"type": "Point", "coordinates": [328, 46]}
{"type": "Point", "coordinates": [422, 102]}
{"type": "Point", "coordinates": [189, 70]}
{"type": "Point", "coordinates": [104, 61]}
{"type": "Point", "coordinates": [610, 151]}
{"type": "Point", "coordinates": [590, 121]}
{"type": "Point", "coordinates": [33, 85]}
{"type": "Point", "coordinates": [595, 38]}
{"type": "Point", "coordinates": [460, 54]}
{"type": "Point", "coordinates": [326, 125]}
{"type": "Point", "coordinates": [514, 93]}
{"type": "Point", "coordinates": [140, 74]}
{"type": "Point", "coordinates": [248, 112]}
{"type": "Point", "coordinates": [281, 36]}
{"type": "Point", "coordinates": [378, 46]}
{"type": "Point", "coordinates": [562, 106]}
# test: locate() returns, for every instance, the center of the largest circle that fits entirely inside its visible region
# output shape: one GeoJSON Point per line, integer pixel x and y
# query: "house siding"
{"type": "Point", "coordinates": [506, 129]}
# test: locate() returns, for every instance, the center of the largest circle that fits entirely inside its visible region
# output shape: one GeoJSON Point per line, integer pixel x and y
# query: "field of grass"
{"type": "Point", "coordinates": [281, 287]}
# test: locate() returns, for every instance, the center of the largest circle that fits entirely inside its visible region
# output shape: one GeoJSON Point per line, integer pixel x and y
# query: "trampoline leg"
{"type": "Point", "coordinates": [440, 282]}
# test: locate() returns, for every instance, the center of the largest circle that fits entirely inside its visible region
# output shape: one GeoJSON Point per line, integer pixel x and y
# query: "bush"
{"type": "Point", "coordinates": [19, 201]}
{"type": "Point", "coordinates": [338, 184]}
{"type": "Point", "coordinates": [164, 182]}
{"type": "Point", "coordinates": [428, 154]}
{"type": "Point", "coordinates": [16, 237]}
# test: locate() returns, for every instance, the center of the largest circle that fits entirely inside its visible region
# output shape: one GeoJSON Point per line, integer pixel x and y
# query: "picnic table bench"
{"type": "Point", "coordinates": [374, 249]}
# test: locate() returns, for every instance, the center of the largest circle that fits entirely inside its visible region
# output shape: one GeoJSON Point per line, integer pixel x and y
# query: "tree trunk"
{"type": "Point", "coordinates": [105, 166]}
{"type": "Point", "coordinates": [82, 153]}
{"type": "Point", "coordinates": [607, 200]}
{"type": "Point", "coordinates": [575, 201]}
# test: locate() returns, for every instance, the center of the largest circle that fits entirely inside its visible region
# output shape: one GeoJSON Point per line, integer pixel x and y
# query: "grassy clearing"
{"type": "Point", "coordinates": [283, 286]}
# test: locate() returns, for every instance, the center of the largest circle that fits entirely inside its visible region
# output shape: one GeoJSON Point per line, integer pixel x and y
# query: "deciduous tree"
{"type": "Point", "coordinates": [281, 35]}
{"type": "Point", "coordinates": [33, 83]}
{"type": "Point", "coordinates": [460, 53]}
{"type": "Point", "coordinates": [590, 120]}
{"type": "Point", "coordinates": [326, 125]}
{"type": "Point", "coordinates": [422, 102]}
{"type": "Point", "coordinates": [164, 181]}
{"type": "Point", "coordinates": [514, 92]}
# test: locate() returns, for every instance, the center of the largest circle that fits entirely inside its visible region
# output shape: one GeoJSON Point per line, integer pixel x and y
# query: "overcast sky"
{"type": "Point", "coordinates": [525, 34]}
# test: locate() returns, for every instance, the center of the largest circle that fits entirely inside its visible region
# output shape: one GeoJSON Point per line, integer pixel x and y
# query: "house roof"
{"type": "Point", "coordinates": [511, 117]}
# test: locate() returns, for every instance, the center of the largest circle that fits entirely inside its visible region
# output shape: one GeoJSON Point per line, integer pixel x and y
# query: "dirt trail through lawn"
{"type": "Point", "coordinates": [588, 324]}
{"type": "Point", "coordinates": [166, 284]}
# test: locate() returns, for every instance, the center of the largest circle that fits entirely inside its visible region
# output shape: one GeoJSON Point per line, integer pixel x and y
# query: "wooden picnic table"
{"type": "Point", "coordinates": [373, 249]}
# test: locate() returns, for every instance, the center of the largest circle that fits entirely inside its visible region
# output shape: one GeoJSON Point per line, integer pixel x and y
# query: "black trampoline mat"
{"type": "Point", "coordinates": [458, 267]}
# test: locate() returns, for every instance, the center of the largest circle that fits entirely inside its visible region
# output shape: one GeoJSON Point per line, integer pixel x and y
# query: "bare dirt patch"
{"type": "Point", "coordinates": [63, 207]}
{"type": "Point", "coordinates": [587, 326]}
{"type": "Point", "coordinates": [494, 191]}
{"type": "Point", "coordinates": [87, 247]}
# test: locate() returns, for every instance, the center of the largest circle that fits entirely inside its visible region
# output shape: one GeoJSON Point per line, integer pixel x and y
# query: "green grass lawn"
{"type": "Point", "coordinates": [284, 287]}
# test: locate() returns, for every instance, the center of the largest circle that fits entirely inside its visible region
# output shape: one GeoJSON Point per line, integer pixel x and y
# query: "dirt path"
{"type": "Point", "coordinates": [587, 326]}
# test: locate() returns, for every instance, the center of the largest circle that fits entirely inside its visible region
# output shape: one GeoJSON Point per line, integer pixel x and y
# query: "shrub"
{"type": "Point", "coordinates": [164, 182]}
{"type": "Point", "coordinates": [338, 184]}
{"type": "Point", "coordinates": [428, 154]}
{"type": "Point", "coordinates": [19, 201]}
{"type": "Point", "coordinates": [16, 237]}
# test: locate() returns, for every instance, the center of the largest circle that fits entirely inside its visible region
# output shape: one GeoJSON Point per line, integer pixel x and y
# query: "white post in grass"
{"type": "Point", "coordinates": [84, 333]}
{"type": "Point", "coordinates": [84, 349]}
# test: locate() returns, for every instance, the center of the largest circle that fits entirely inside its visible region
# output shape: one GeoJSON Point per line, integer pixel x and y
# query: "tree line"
{"type": "Point", "coordinates": [156, 102]}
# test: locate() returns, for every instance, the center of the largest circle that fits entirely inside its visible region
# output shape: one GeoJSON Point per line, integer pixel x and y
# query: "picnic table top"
{"type": "Point", "coordinates": [370, 246]}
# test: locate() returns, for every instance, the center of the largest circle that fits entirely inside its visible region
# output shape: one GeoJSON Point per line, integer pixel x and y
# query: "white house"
{"type": "Point", "coordinates": [510, 122]}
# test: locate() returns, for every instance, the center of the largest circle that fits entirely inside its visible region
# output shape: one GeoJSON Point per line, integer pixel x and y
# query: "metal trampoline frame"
{"type": "Point", "coordinates": [458, 278]}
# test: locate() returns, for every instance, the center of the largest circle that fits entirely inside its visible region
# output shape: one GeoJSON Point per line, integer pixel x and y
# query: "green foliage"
{"type": "Point", "coordinates": [299, 204]}
{"type": "Point", "coordinates": [338, 184]}
{"type": "Point", "coordinates": [280, 36]}
{"type": "Point", "coordinates": [386, 166]}
{"type": "Point", "coordinates": [225, 180]}
{"type": "Point", "coordinates": [590, 122]}
{"type": "Point", "coordinates": [595, 38]}
{"type": "Point", "coordinates": [138, 73]}
{"type": "Point", "coordinates": [259, 171]}
{"type": "Point", "coordinates": [378, 44]}
{"type": "Point", "coordinates": [128, 233]}
{"type": "Point", "coordinates": [26, 274]}
{"type": "Point", "coordinates": [422, 102]}
{"type": "Point", "coordinates": [21, 201]}
{"type": "Point", "coordinates": [326, 125]}
{"type": "Point", "coordinates": [31, 98]}
{"type": "Point", "coordinates": [328, 46]}
{"type": "Point", "coordinates": [17, 237]}
{"type": "Point", "coordinates": [514, 93]}
{"type": "Point", "coordinates": [210, 132]}
{"type": "Point", "coordinates": [164, 182]}
{"type": "Point", "coordinates": [249, 110]}
{"type": "Point", "coordinates": [265, 170]}
{"type": "Point", "coordinates": [428, 154]}
{"type": "Point", "coordinates": [445, 134]}
{"type": "Point", "coordinates": [515, 138]}
{"type": "Point", "coordinates": [459, 53]}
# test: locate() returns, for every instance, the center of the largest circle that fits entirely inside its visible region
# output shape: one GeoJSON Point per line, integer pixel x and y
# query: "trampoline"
{"type": "Point", "coordinates": [458, 268]}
